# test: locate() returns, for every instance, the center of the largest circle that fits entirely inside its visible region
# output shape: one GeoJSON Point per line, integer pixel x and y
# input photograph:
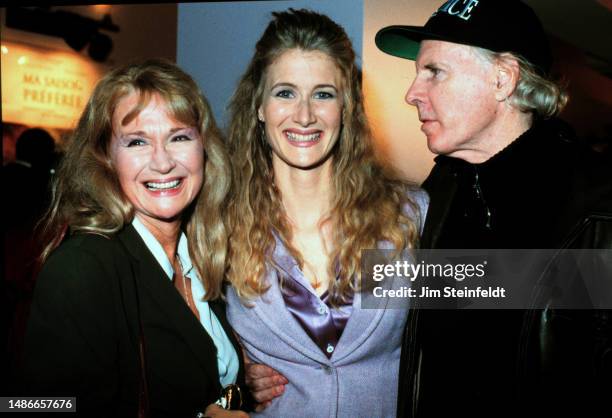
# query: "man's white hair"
{"type": "Point", "coordinates": [533, 93]}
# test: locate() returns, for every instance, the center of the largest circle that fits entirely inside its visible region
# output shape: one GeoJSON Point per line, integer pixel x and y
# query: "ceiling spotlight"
{"type": "Point", "coordinates": [77, 37]}
{"type": "Point", "coordinates": [100, 46]}
{"type": "Point", "coordinates": [78, 31]}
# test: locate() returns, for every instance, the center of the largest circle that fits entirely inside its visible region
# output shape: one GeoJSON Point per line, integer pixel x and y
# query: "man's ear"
{"type": "Point", "coordinates": [507, 76]}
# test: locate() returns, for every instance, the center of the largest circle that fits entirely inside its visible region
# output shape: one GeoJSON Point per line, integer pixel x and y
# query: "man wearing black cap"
{"type": "Point", "coordinates": [508, 175]}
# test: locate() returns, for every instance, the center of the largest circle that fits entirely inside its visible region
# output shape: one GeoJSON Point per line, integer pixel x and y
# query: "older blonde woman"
{"type": "Point", "coordinates": [126, 315]}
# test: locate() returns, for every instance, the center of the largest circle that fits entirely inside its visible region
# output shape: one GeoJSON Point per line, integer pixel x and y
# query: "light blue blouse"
{"type": "Point", "coordinates": [227, 358]}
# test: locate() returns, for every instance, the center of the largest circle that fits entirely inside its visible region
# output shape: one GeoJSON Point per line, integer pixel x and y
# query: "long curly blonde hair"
{"type": "Point", "coordinates": [367, 204]}
{"type": "Point", "coordinates": [87, 196]}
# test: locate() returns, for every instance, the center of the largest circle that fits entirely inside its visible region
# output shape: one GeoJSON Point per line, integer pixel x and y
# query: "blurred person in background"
{"type": "Point", "coordinates": [26, 184]}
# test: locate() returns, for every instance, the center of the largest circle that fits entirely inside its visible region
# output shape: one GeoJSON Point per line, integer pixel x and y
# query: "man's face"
{"type": "Point", "coordinates": [454, 92]}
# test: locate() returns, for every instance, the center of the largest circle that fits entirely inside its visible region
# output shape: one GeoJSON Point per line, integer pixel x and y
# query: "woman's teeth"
{"type": "Point", "coordinates": [163, 186]}
{"type": "Point", "coordinates": [303, 138]}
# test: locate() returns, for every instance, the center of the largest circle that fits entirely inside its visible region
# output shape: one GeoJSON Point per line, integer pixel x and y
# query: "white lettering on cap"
{"type": "Point", "coordinates": [467, 9]}
{"type": "Point", "coordinates": [463, 13]}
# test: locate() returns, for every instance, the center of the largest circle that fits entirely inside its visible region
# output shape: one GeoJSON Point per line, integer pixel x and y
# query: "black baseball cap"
{"type": "Point", "coordinates": [497, 25]}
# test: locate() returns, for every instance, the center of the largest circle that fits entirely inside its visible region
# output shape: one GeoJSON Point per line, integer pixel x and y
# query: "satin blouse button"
{"type": "Point", "coordinates": [322, 310]}
{"type": "Point", "coordinates": [330, 348]}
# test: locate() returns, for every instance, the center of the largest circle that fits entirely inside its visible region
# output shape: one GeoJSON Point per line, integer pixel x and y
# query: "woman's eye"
{"type": "Point", "coordinates": [285, 94]}
{"type": "Point", "coordinates": [180, 138]}
{"type": "Point", "coordinates": [324, 95]}
{"type": "Point", "coordinates": [136, 142]}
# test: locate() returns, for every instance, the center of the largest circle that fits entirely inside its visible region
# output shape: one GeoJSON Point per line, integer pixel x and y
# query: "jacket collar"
{"type": "Point", "coordinates": [535, 144]}
{"type": "Point", "coordinates": [153, 281]}
{"type": "Point", "coordinates": [535, 147]}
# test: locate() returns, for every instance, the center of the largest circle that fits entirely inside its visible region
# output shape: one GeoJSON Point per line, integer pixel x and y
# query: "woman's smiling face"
{"type": "Point", "coordinates": [302, 108]}
{"type": "Point", "coordinates": [159, 161]}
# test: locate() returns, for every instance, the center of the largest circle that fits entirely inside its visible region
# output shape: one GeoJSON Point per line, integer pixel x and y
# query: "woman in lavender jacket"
{"type": "Point", "coordinates": [308, 197]}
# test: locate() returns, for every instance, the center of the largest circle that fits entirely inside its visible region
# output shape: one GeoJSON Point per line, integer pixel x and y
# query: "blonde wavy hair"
{"type": "Point", "coordinates": [534, 92]}
{"type": "Point", "coordinates": [86, 194]}
{"type": "Point", "coordinates": [368, 204]}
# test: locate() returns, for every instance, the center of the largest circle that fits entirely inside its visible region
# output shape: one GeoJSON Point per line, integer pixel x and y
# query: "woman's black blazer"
{"type": "Point", "coordinates": [82, 336]}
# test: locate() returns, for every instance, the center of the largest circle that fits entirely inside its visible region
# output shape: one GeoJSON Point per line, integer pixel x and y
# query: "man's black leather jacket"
{"type": "Point", "coordinates": [545, 190]}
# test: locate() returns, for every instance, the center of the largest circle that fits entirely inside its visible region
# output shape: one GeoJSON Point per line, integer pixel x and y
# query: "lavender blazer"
{"type": "Point", "coordinates": [361, 377]}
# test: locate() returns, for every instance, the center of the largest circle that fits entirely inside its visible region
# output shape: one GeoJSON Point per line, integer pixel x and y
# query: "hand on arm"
{"type": "Point", "coordinates": [264, 382]}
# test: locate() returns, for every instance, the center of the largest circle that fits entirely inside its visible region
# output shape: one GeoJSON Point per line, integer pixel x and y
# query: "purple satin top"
{"type": "Point", "coordinates": [322, 322]}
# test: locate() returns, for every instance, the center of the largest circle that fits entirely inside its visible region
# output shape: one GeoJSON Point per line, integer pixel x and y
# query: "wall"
{"type": "Point", "coordinates": [395, 124]}
{"type": "Point", "coordinates": [589, 109]}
